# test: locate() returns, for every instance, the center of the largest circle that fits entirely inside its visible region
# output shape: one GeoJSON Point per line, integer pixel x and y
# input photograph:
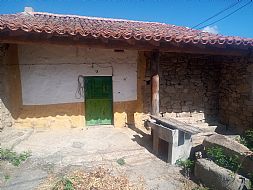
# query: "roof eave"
{"type": "Point", "coordinates": [22, 37]}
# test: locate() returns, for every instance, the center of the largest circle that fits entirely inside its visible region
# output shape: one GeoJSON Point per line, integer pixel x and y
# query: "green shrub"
{"type": "Point", "coordinates": [216, 154]}
{"type": "Point", "coordinates": [251, 179]}
{"type": "Point", "coordinates": [7, 177]}
{"type": "Point", "coordinates": [13, 157]}
{"type": "Point", "coordinates": [121, 161]}
{"type": "Point", "coordinates": [247, 139]}
{"type": "Point", "coordinates": [187, 166]}
{"type": "Point", "coordinates": [64, 183]}
{"type": "Point", "coordinates": [185, 163]}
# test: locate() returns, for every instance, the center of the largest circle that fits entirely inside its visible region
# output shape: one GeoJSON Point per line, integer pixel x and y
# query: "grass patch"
{"type": "Point", "coordinates": [185, 163]}
{"type": "Point", "coordinates": [187, 166]}
{"type": "Point", "coordinates": [65, 183]}
{"type": "Point", "coordinates": [13, 157]}
{"type": "Point", "coordinates": [7, 177]}
{"type": "Point", "coordinates": [121, 161]}
{"type": "Point", "coordinates": [247, 139]}
{"type": "Point", "coordinates": [217, 155]}
{"type": "Point", "coordinates": [232, 163]}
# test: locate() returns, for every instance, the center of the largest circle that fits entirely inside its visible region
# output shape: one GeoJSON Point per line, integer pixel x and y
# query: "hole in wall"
{"type": "Point", "coordinates": [119, 50]}
{"type": "Point", "coordinates": [147, 82]}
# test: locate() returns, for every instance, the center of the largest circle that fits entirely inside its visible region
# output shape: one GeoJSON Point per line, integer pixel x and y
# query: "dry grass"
{"type": "Point", "coordinates": [99, 179]}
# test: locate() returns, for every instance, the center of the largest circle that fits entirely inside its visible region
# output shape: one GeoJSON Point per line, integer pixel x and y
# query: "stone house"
{"type": "Point", "coordinates": [66, 70]}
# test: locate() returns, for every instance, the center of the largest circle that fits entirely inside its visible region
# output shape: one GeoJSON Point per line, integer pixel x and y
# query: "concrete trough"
{"type": "Point", "coordinates": [178, 138]}
{"type": "Point", "coordinates": [179, 143]}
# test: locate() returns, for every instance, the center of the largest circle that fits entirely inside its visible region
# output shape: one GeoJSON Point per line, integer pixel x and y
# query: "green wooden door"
{"type": "Point", "coordinates": [98, 100]}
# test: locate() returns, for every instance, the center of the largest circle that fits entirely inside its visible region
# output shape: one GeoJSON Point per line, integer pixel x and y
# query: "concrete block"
{"type": "Point", "coordinates": [232, 148]}
{"type": "Point", "coordinates": [179, 143]}
{"type": "Point", "coordinates": [218, 178]}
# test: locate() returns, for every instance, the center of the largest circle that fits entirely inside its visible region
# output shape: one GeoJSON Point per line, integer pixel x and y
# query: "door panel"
{"type": "Point", "coordinates": [98, 100]}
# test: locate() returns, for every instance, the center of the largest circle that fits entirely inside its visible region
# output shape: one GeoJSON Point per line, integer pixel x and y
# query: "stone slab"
{"type": "Point", "coordinates": [176, 124]}
{"type": "Point", "coordinates": [216, 177]}
{"type": "Point", "coordinates": [232, 148]}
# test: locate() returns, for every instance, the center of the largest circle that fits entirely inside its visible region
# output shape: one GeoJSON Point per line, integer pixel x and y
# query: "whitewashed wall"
{"type": "Point", "coordinates": [49, 73]}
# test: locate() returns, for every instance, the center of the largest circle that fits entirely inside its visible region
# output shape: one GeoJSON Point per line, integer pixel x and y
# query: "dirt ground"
{"type": "Point", "coordinates": [59, 151]}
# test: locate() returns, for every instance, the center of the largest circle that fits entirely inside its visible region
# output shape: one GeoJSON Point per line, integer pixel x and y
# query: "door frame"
{"type": "Point", "coordinates": [112, 112]}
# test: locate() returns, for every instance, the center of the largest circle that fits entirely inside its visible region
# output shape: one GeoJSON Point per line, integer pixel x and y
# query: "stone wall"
{"type": "Point", "coordinates": [188, 87]}
{"type": "Point", "coordinates": [201, 88]}
{"type": "Point", "coordinates": [5, 116]}
{"type": "Point", "coordinates": [236, 94]}
{"type": "Point", "coordinates": [198, 87]}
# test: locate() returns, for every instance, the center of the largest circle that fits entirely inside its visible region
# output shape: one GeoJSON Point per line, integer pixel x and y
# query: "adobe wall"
{"type": "Point", "coordinates": [6, 119]}
{"type": "Point", "coordinates": [49, 74]}
{"type": "Point", "coordinates": [4, 115]}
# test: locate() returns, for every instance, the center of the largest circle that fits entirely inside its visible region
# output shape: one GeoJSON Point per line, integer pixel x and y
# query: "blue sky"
{"type": "Point", "coordinates": [177, 12]}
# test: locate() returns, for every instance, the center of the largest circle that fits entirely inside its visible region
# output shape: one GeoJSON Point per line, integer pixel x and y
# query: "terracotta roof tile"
{"type": "Point", "coordinates": [113, 28]}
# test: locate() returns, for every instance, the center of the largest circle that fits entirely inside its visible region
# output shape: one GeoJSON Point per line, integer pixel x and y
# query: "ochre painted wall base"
{"type": "Point", "coordinates": [125, 113]}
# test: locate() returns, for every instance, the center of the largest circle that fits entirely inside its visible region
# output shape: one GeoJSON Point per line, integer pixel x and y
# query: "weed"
{"type": "Point", "coordinates": [185, 163]}
{"type": "Point", "coordinates": [247, 139]}
{"type": "Point", "coordinates": [13, 157]}
{"type": "Point", "coordinates": [251, 179]}
{"type": "Point", "coordinates": [201, 188]}
{"type": "Point", "coordinates": [187, 166]}
{"type": "Point", "coordinates": [217, 155]}
{"type": "Point", "coordinates": [7, 177]}
{"type": "Point", "coordinates": [64, 183]}
{"type": "Point", "coordinates": [121, 161]}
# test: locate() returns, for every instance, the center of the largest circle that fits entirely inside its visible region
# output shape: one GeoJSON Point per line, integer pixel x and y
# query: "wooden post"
{"type": "Point", "coordinates": [155, 83]}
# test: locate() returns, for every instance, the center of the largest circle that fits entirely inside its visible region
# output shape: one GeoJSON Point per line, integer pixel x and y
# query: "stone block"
{"type": "Point", "coordinates": [177, 110]}
{"type": "Point", "coordinates": [243, 88]}
{"type": "Point", "coordinates": [186, 90]}
{"type": "Point", "coordinates": [165, 100]}
{"type": "Point", "coordinates": [249, 102]}
{"type": "Point", "coordinates": [184, 114]}
{"type": "Point", "coordinates": [250, 68]}
{"type": "Point", "coordinates": [179, 86]}
{"type": "Point", "coordinates": [188, 103]}
{"type": "Point", "coordinates": [216, 177]}
{"type": "Point", "coordinates": [232, 148]}
{"type": "Point", "coordinates": [185, 108]}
